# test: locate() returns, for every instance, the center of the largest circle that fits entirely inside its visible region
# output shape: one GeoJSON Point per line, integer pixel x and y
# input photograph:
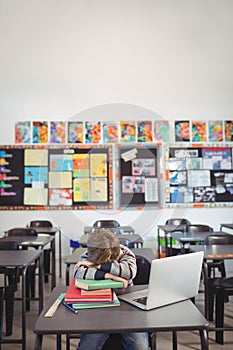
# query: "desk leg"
{"type": "Point", "coordinates": [40, 282]}
{"type": "Point", "coordinates": [38, 342]}
{"type": "Point", "coordinates": [58, 341]}
{"type": "Point", "coordinates": [158, 239]}
{"type": "Point", "coordinates": [204, 339]}
{"type": "Point", "coordinates": [60, 274]}
{"type": "Point", "coordinates": [53, 285]}
{"type": "Point", "coordinates": [24, 273]}
{"type": "Point", "coordinates": [219, 314]}
{"type": "Point", "coordinates": [174, 340]}
{"type": "Point", "coordinates": [67, 274]}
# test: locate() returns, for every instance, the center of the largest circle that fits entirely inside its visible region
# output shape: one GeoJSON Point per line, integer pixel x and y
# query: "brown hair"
{"type": "Point", "coordinates": [103, 246]}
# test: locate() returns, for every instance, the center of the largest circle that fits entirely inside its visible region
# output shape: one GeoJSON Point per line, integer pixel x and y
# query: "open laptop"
{"type": "Point", "coordinates": [172, 279]}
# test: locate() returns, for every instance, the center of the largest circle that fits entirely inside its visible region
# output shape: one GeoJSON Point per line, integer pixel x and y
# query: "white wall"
{"type": "Point", "coordinates": [59, 58]}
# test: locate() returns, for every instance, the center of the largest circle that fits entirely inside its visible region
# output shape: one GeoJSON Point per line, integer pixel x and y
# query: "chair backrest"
{"type": "Point", "coordinates": [9, 245]}
{"type": "Point", "coordinates": [106, 223]}
{"type": "Point", "coordinates": [22, 232]}
{"type": "Point", "coordinates": [224, 239]}
{"type": "Point", "coordinates": [178, 221]}
{"type": "Point", "coordinates": [143, 270]}
{"type": "Point", "coordinates": [40, 223]}
{"type": "Point", "coordinates": [199, 228]}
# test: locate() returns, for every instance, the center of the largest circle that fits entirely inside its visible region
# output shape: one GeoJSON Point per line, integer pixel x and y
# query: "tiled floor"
{"type": "Point", "coordinates": [186, 340]}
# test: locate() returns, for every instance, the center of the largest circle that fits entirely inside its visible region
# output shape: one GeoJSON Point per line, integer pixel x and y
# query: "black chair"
{"type": "Point", "coordinates": [198, 228]}
{"type": "Point", "coordinates": [106, 223]}
{"type": "Point", "coordinates": [175, 222]}
{"type": "Point", "coordinates": [22, 232]}
{"type": "Point", "coordinates": [113, 225]}
{"type": "Point", "coordinates": [7, 292]}
{"type": "Point", "coordinates": [31, 272]}
{"type": "Point", "coordinates": [143, 270]}
{"type": "Point", "coordinates": [210, 277]}
{"type": "Point", "coordinates": [218, 239]}
{"type": "Point", "coordinates": [46, 252]}
{"type": "Point", "coordinates": [223, 289]}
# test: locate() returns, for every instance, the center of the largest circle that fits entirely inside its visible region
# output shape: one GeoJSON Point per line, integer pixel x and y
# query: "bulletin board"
{"type": "Point", "coordinates": [139, 176]}
{"type": "Point", "coordinates": [199, 175]}
{"type": "Point", "coordinates": [56, 177]}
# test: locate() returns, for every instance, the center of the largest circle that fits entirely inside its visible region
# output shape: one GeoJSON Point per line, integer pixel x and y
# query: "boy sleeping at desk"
{"type": "Point", "coordinates": [105, 258]}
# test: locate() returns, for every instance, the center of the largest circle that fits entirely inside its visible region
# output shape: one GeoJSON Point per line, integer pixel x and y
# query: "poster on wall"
{"type": "Point", "coordinates": [229, 130]}
{"type": "Point", "coordinates": [40, 132]}
{"type": "Point", "coordinates": [199, 131]}
{"type": "Point", "coordinates": [199, 175]}
{"type": "Point", "coordinates": [182, 131]}
{"type": "Point", "coordinates": [93, 132]}
{"type": "Point", "coordinates": [56, 177]}
{"type": "Point", "coordinates": [145, 131]}
{"type": "Point", "coordinates": [161, 131]}
{"type": "Point", "coordinates": [128, 131]}
{"type": "Point", "coordinates": [23, 132]}
{"type": "Point", "coordinates": [110, 132]}
{"type": "Point", "coordinates": [215, 131]}
{"type": "Point", "coordinates": [75, 132]}
{"type": "Point", "coordinates": [138, 176]}
{"type": "Point", "coordinates": [57, 132]}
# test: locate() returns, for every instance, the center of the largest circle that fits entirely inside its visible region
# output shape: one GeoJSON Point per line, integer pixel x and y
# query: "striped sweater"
{"type": "Point", "coordinates": [125, 267]}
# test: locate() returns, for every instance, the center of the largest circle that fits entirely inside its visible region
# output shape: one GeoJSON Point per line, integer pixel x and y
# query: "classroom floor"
{"type": "Point", "coordinates": [186, 340]}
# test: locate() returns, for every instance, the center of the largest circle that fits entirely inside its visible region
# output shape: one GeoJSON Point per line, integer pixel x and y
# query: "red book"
{"type": "Point", "coordinates": [74, 295]}
{"type": "Point", "coordinates": [106, 292]}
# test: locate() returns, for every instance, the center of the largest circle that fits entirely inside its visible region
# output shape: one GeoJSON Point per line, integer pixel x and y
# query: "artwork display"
{"type": "Point", "coordinates": [93, 134]}
{"type": "Point", "coordinates": [23, 132]}
{"type": "Point", "coordinates": [161, 131]}
{"type": "Point", "coordinates": [75, 132]}
{"type": "Point", "coordinates": [110, 132]}
{"type": "Point", "coordinates": [199, 131]}
{"type": "Point", "coordinates": [145, 131]}
{"type": "Point", "coordinates": [139, 176]}
{"type": "Point", "coordinates": [199, 175]}
{"type": "Point", "coordinates": [215, 131]}
{"type": "Point", "coordinates": [182, 131]}
{"type": "Point", "coordinates": [40, 132]}
{"type": "Point", "coordinates": [57, 132]}
{"type": "Point", "coordinates": [56, 177]}
{"type": "Point", "coordinates": [128, 131]}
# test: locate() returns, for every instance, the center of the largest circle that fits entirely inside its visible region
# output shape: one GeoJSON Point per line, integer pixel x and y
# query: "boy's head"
{"type": "Point", "coordinates": [102, 246]}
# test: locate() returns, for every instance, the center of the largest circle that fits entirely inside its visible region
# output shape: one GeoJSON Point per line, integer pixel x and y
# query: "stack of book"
{"type": "Point", "coordinates": [87, 294]}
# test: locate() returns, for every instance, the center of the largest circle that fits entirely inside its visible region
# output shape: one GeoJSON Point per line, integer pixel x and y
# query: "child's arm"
{"type": "Point", "coordinates": [124, 267]}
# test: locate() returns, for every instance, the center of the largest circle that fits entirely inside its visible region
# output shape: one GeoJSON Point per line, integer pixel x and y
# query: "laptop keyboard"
{"type": "Point", "coordinates": [141, 300]}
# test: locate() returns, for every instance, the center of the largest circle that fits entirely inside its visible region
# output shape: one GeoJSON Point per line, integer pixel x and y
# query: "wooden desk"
{"type": "Point", "coordinates": [168, 229]}
{"type": "Point", "coordinates": [229, 226]}
{"type": "Point", "coordinates": [193, 237]}
{"type": "Point", "coordinates": [52, 232]}
{"type": "Point", "coordinates": [37, 242]}
{"type": "Point", "coordinates": [183, 316]}
{"type": "Point", "coordinates": [216, 252]}
{"type": "Point", "coordinates": [132, 239]}
{"type": "Point", "coordinates": [75, 256]}
{"type": "Point", "coordinates": [23, 259]}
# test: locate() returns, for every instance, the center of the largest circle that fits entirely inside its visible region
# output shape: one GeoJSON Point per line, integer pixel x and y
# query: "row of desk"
{"type": "Point", "coordinates": [178, 232]}
{"type": "Point", "coordinates": [155, 320]}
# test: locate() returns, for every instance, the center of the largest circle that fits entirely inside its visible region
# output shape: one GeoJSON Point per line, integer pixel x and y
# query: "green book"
{"type": "Point", "coordinates": [97, 284]}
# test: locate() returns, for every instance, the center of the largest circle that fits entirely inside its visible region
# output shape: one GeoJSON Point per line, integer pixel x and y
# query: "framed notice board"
{"type": "Point", "coordinates": [199, 175]}
{"type": "Point", "coordinates": [56, 177]}
{"type": "Point", "coordinates": [139, 176]}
